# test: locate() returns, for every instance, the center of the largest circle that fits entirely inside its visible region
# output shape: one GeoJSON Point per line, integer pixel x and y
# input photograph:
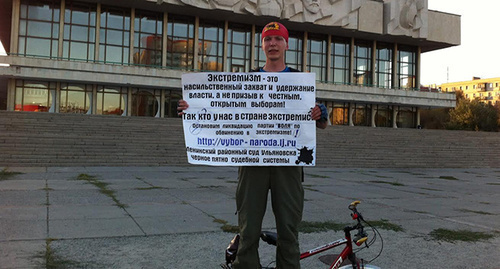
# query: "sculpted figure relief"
{"type": "Point", "coordinates": [406, 17]}
{"type": "Point", "coordinates": [207, 4]}
{"type": "Point", "coordinates": [342, 13]}
{"type": "Point", "coordinates": [307, 10]}
{"type": "Point", "coordinates": [410, 18]}
{"type": "Point", "coordinates": [264, 7]}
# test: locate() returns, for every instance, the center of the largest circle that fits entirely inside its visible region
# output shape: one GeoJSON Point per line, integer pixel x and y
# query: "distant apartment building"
{"type": "Point", "coordinates": [126, 57]}
{"type": "Point", "coordinates": [486, 90]}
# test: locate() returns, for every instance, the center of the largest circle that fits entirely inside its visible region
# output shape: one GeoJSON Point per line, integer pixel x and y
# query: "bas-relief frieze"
{"type": "Point", "coordinates": [401, 17]}
{"type": "Point", "coordinates": [406, 17]}
{"type": "Point", "coordinates": [324, 12]}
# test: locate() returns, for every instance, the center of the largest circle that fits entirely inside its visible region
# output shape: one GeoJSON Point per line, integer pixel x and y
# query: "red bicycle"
{"type": "Point", "coordinates": [347, 258]}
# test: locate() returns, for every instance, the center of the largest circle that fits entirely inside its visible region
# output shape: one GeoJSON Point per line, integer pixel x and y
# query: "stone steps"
{"type": "Point", "coordinates": [47, 139]}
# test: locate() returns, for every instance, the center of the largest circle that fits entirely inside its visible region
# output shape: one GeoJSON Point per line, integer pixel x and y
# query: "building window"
{"type": "Point", "coordinates": [316, 56]}
{"type": "Point", "coordinates": [362, 63]}
{"type": "Point", "coordinates": [114, 43]}
{"type": "Point", "coordinates": [34, 96]}
{"type": "Point", "coordinates": [340, 114]}
{"type": "Point", "coordinates": [75, 98]}
{"type": "Point", "coordinates": [148, 28]}
{"type": "Point", "coordinates": [211, 39]}
{"type": "Point", "coordinates": [383, 116]}
{"type": "Point", "coordinates": [238, 48]}
{"type": "Point", "coordinates": [406, 117]}
{"type": "Point", "coordinates": [294, 54]}
{"type": "Point", "coordinates": [362, 115]}
{"type": "Point", "coordinates": [406, 67]}
{"type": "Point", "coordinates": [145, 102]}
{"type": "Point", "coordinates": [180, 39]}
{"type": "Point", "coordinates": [171, 99]}
{"type": "Point", "coordinates": [383, 65]}
{"type": "Point", "coordinates": [79, 31]}
{"type": "Point", "coordinates": [340, 56]}
{"type": "Point", "coordinates": [260, 56]}
{"type": "Point", "coordinates": [39, 28]}
{"type": "Point", "coordinates": [111, 100]}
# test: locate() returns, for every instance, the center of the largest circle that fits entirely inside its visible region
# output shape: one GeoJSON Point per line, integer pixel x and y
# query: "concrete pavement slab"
{"type": "Point", "coordinates": [92, 228]}
{"type": "Point", "coordinates": [145, 196]}
{"type": "Point", "coordinates": [159, 225]}
{"type": "Point", "coordinates": [175, 220]}
{"type": "Point", "coordinates": [22, 254]}
{"type": "Point", "coordinates": [79, 197]}
{"type": "Point", "coordinates": [23, 212]}
{"type": "Point", "coordinates": [21, 185]}
{"type": "Point", "coordinates": [81, 212]}
{"type": "Point", "coordinates": [16, 230]}
{"type": "Point", "coordinates": [23, 198]}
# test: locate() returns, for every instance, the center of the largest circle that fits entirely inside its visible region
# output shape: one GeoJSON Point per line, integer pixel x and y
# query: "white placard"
{"type": "Point", "coordinates": [242, 119]}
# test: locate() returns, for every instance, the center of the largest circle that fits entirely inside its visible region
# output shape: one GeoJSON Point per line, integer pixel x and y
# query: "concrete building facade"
{"type": "Point", "coordinates": [127, 57]}
{"type": "Point", "coordinates": [487, 90]}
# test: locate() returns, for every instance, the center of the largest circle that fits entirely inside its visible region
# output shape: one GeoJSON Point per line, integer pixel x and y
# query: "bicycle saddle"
{"type": "Point", "coordinates": [269, 237]}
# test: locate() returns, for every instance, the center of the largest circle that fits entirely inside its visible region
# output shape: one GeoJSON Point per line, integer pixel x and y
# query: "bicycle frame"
{"type": "Point", "coordinates": [347, 252]}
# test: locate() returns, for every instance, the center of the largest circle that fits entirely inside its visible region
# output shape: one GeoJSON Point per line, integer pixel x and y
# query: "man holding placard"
{"type": "Point", "coordinates": [254, 183]}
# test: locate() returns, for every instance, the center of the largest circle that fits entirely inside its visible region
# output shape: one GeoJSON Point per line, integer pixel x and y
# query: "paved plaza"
{"type": "Point", "coordinates": [175, 216]}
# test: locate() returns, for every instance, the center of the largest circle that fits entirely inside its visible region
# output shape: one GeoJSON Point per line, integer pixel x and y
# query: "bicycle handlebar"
{"type": "Point", "coordinates": [360, 237]}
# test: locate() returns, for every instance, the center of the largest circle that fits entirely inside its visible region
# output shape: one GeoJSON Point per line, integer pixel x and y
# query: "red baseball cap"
{"type": "Point", "coordinates": [275, 28]}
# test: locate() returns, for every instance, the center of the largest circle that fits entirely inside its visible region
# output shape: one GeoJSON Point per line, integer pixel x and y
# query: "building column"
{"type": "Point", "coordinates": [330, 112]}
{"type": "Point", "coordinates": [196, 44]}
{"type": "Point", "coordinates": [53, 101]}
{"type": "Point", "coordinates": [14, 34]}
{"type": "Point", "coordinates": [395, 55]}
{"type": "Point", "coordinates": [252, 50]}
{"type": "Point", "coordinates": [132, 39]}
{"type": "Point", "coordinates": [164, 40]}
{"type": "Point", "coordinates": [351, 62]}
{"type": "Point", "coordinates": [162, 103]}
{"type": "Point", "coordinates": [351, 113]}
{"type": "Point", "coordinates": [90, 95]}
{"type": "Point", "coordinates": [94, 100]}
{"type": "Point", "coordinates": [304, 52]}
{"type": "Point", "coordinates": [57, 97]}
{"type": "Point", "coordinates": [418, 118]}
{"type": "Point", "coordinates": [417, 68]}
{"type": "Point", "coordinates": [61, 31]}
{"type": "Point", "coordinates": [97, 34]}
{"type": "Point", "coordinates": [11, 93]}
{"type": "Point", "coordinates": [14, 43]}
{"type": "Point", "coordinates": [224, 53]}
{"type": "Point", "coordinates": [128, 103]}
{"type": "Point", "coordinates": [374, 115]}
{"type": "Point", "coordinates": [374, 65]}
{"type": "Point", "coordinates": [328, 58]}
{"type": "Point", "coordinates": [394, 117]}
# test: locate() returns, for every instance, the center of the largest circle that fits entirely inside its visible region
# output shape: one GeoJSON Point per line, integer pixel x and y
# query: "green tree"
{"type": "Point", "coordinates": [474, 116]}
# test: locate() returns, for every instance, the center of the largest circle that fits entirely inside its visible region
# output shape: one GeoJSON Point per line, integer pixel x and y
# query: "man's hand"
{"type": "Point", "coordinates": [320, 115]}
{"type": "Point", "coordinates": [181, 106]}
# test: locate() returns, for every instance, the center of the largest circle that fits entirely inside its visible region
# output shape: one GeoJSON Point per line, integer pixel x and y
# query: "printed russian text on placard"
{"type": "Point", "coordinates": [239, 119]}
